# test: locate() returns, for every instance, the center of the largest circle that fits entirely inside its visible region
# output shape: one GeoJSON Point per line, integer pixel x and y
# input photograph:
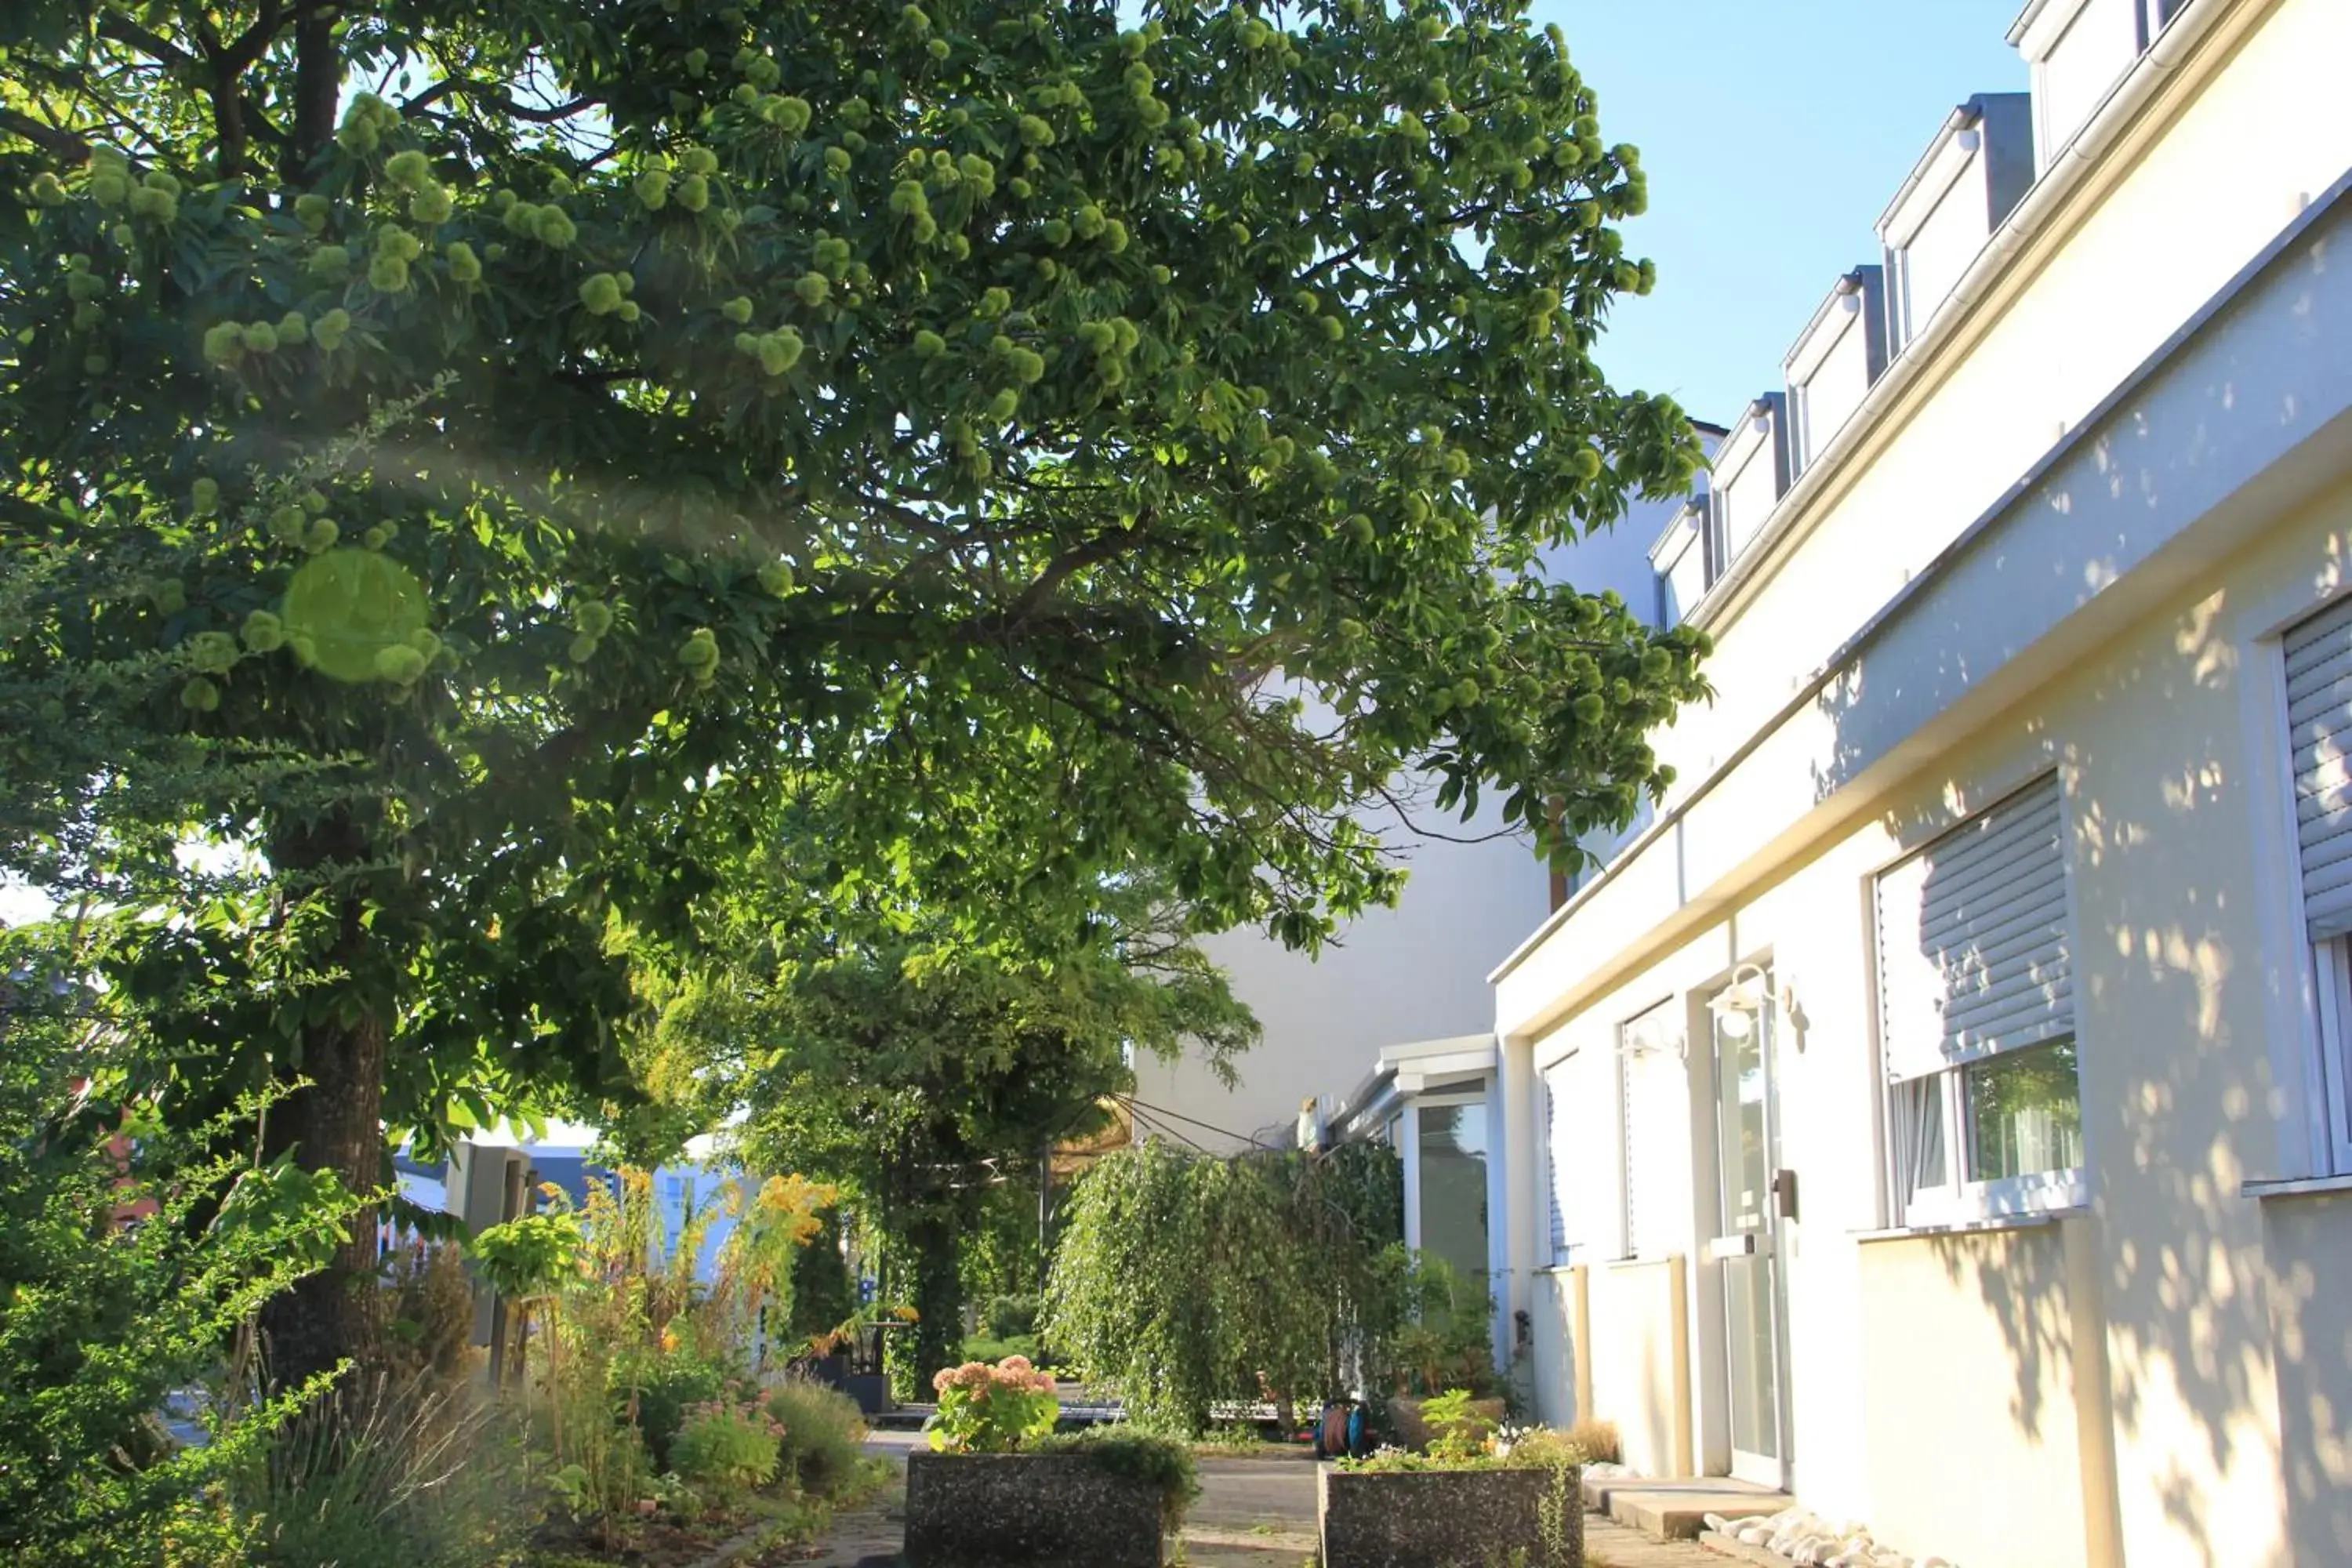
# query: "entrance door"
{"type": "Point", "coordinates": [1746, 1249]}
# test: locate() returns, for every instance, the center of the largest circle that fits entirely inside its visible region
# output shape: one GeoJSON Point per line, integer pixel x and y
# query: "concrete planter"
{"type": "Point", "coordinates": [1011, 1511]}
{"type": "Point", "coordinates": [1447, 1519]}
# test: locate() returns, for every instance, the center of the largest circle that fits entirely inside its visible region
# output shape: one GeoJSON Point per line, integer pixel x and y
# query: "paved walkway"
{"type": "Point", "coordinates": [1252, 1514]}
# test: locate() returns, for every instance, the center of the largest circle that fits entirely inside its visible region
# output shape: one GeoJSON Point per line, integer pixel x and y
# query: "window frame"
{"type": "Point", "coordinates": [2326, 1049]}
{"type": "Point", "coordinates": [1625, 1243]}
{"type": "Point", "coordinates": [2331, 975]}
{"type": "Point", "coordinates": [1566, 1249]}
{"type": "Point", "coordinates": [1961, 1199]}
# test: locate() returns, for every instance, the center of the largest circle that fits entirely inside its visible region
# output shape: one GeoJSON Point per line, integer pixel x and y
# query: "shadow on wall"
{"type": "Point", "coordinates": [2177, 1104]}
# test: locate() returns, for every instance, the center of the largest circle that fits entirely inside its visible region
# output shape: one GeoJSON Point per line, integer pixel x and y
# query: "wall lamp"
{"type": "Point", "coordinates": [1738, 1004]}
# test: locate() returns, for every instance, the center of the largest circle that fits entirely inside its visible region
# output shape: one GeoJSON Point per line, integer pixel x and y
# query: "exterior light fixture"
{"type": "Point", "coordinates": [1737, 1005]}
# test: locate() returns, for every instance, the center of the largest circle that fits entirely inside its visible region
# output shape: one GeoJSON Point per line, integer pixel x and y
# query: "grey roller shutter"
{"type": "Point", "coordinates": [1972, 951]}
{"type": "Point", "coordinates": [1556, 1164]}
{"type": "Point", "coordinates": [2319, 734]}
{"type": "Point", "coordinates": [1631, 1240]}
{"type": "Point", "coordinates": [1553, 1171]}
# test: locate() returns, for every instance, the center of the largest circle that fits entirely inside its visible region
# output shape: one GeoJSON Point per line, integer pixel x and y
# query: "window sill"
{"type": "Point", "coordinates": [2294, 1186]}
{"type": "Point", "coordinates": [1990, 1223]}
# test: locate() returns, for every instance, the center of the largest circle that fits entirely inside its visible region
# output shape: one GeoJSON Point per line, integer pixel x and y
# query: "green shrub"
{"type": "Point", "coordinates": [1444, 1336]}
{"type": "Point", "coordinates": [660, 1385]}
{"type": "Point", "coordinates": [1163, 1462]}
{"type": "Point", "coordinates": [823, 1295]}
{"type": "Point", "coordinates": [825, 1432]}
{"type": "Point", "coordinates": [982, 1348]}
{"type": "Point", "coordinates": [1457, 1432]}
{"type": "Point", "coordinates": [101, 1319]}
{"type": "Point", "coordinates": [431, 1326]}
{"type": "Point", "coordinates": [727, 1449]}
{"type": "Point", "coordinates": [1010, 1317]}
{"type": "Point", "coordinates": [390, 1472]}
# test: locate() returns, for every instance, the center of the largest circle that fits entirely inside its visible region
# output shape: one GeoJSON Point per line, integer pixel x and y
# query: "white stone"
{"type": "Point", "coordinates": [1717, 1522]}
{"type": "Point", "coordinates": [1754, 1533]}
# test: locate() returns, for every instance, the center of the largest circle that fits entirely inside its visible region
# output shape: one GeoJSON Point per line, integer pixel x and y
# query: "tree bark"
{"type": "Point", "coordinates": [333, 1122]}
{"type": "Point", "coordinates": [318, 85]}
{"type": "Point", "coordinates": [939, 1295]}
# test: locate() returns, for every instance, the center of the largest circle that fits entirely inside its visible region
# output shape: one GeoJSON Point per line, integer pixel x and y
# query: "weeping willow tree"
{"type": "Point", "coordinates": [1188, 1280]}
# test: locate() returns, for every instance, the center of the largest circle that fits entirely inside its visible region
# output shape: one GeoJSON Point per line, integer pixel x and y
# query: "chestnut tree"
{"type": "Point", "coordinates": [537, 447]}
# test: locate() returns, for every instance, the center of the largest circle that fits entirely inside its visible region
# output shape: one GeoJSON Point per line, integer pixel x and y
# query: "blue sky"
{"type": "Point", "coordinates": [1774, 133]}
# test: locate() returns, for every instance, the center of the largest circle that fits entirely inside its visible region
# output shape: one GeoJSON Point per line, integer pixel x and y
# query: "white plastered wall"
{"type": "Point", "coordinates": [2160, 561]}
{"type": "Point", "coordinates": [2274, 129]}
{"type": "Point", "coordinates": [2199, 1317]}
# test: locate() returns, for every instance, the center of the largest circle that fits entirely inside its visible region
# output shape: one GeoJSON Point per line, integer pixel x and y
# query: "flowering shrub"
{"type": "Point", "coordinates": [727, 1447]}
{"type": "Point", "coordinates": [987, 1409]}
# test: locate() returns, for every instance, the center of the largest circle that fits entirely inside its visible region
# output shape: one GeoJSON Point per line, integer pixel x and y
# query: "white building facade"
{"type": "Point", "coordinates": [1413, 974]}
{"type": "Point", "coordinates": [1942, 1109]}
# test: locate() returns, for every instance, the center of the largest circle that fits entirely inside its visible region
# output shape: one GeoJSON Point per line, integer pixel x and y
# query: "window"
{"type": "Point", "coordinates": [1453, 1140]}
{"type": "Point", "coordinates": [1566, 1249]}
{"type": "Point", "coordinates": [1834, 364]}
{"type": "Point", "coordinates": [1976, 1018]}
{"type": "Point", "coordinates": [2079, 49]}
{"type": "Point", "coordinates": [1680, 559]}
{"type": "Point", "coordinates": [2320, 740]}
{"type": "Point", "coordinates": [1651, 1091]}
{"type": "Point", "coordinates": [1939, 253]}
{"type": "Point", "coordinates": [1750, 475]}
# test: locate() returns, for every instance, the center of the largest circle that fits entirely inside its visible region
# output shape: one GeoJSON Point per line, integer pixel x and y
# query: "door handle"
{"type": "Point", "coordinates": [1784, 1194]}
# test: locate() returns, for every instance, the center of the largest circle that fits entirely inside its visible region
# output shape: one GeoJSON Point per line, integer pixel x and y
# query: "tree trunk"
{"type": "Point", "coordinates": [939, 1295]}
{"type": "Point", "coordinates": [318, 89]}
{"type": "Point", "coordinates": [335, 1123]}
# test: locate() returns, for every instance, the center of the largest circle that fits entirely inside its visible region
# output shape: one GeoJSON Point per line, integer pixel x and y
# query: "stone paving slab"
{"type": "Point", "coordinates": [1676, 1508]}
{"type": "Point", "coordinates": [1608, 1544]}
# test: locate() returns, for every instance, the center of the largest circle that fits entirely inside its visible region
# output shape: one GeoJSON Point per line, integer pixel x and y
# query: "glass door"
{"type": "Point", "coordinates": [1453, 1190]}
{"type": "Point", "coordinates": [1745, 1249]}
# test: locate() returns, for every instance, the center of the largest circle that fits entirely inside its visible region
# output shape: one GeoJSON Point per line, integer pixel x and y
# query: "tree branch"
{"type": "Point", "coordinates": [496, 98]}
{"type": "Point", "coordinates": [154, 45]}
{"type": "Point", "coordinates": [255, 41]}
{"type": "Point", "coordinates": [318, 83]}
{"type": "Point", "coordinates": [63, 143]}
{"type": "Point", "coordinates": [1102, 547]}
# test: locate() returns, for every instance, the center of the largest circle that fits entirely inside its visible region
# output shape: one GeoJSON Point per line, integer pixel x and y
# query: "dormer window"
{"type": "Point", "coordinates": [1680, 559]}
{"type": "Point", "coordinates": [1834, 362]}
{"type": "Point", "coordinates": [2078, 50]}
{"type": "Point", "coordinates": [1978, 166]}
{"type": "Point", "coordinates": [1751, 471]}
